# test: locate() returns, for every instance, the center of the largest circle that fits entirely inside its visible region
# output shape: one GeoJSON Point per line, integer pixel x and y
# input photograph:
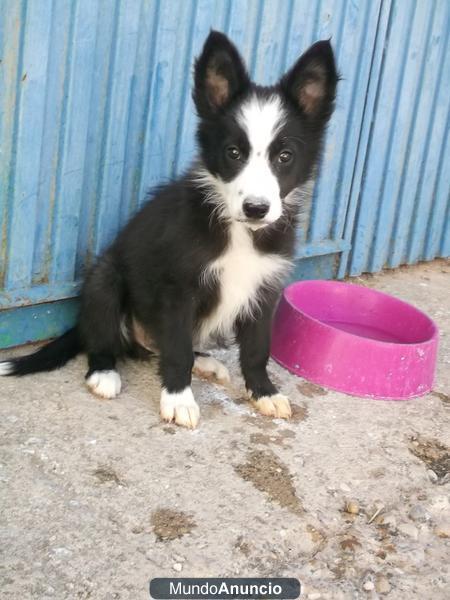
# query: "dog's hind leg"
{"type": "Point", "coordinates": [207, 367]}
{"type": "Point", "coordinates": [101, 327]}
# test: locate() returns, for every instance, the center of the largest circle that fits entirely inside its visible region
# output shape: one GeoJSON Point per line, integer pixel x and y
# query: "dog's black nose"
{"type": "Point", "coordinates": [255, 208]}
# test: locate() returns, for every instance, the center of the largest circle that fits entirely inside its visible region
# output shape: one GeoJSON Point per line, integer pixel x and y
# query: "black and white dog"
{"type": "Point", "coordinates": [204, 261]}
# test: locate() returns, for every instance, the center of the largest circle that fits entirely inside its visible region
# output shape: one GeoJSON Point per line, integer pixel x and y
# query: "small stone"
{"type": "Point", "coordinates": [156, 560]}
{"type": "Point", "coordinates": [177, 567]}
{"type": "Point", "coordinates": [439, 504]}
{"type": "Point", "coordinates": [390, 521]}
{"type": "Point", "coordinates": [137, 529]}
{"type": "Point", "coordinates": [377, 473]}
{"type": "Point", "coordinates": [432, 476]}
{"type": "Point", "coordinates": [314, 596]}
{"type": "Point", "coordinates": [442, 529]}
{"type": "Point", "coordinates": [178, 558]}
{"type": "Point", "coordinates": [61, 551]}
{"type": "Point", "coordinates": [344, 487]}
{"type": "Point", "coordinates": [419, 514]}
{"type": "Point", "coordinates": [382, 585]}
{"type": "Point", "coordinates": [409, 530]}
{"type": "Point", "coordinates": [368, 586]}
{"type": "Point", "coordinates": [33, 440]}
{"type": "Point", "coordinates": [352, 507]}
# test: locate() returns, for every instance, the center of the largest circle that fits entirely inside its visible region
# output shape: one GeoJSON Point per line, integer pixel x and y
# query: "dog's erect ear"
{"type": "Point", "coordinates": [311, 83]}
{"type": "Point", "coordinates": [220, 75]}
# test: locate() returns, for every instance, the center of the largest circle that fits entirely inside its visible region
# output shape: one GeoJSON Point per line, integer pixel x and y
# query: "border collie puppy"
{"type": "Point", "coordinates": [205, 260]}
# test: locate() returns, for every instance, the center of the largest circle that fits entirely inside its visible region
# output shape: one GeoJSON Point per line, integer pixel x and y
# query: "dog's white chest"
{"type": "Point", "coordinates": [240, 271]}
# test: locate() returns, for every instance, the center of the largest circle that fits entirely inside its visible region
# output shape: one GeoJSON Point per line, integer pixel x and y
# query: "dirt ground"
{"type": "Point", "coordinates": [351, 496]}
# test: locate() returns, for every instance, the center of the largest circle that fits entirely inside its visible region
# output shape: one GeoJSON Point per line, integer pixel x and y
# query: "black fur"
{"type": "Point", "coordinates": [152, 273]}
{"type": "Point", "coordinates": [51, 356]}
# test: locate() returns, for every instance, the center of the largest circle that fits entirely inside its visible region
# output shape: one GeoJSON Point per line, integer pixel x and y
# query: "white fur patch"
{"type": "Point", "coordinates": [207, 366]}
{"type": "Point", "coordinates": [106, 384]}
{"type": "Point", "coordinates": [6, 367]}
{"type": "Point", "coordinates": [180, 407]}
{"type": "Point", "coordinates": [240, 271]}
{"type": "Point", "coordinates": [261, 119]}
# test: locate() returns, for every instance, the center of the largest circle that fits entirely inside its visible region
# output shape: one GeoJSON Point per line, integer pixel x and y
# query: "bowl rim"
{"type": "Point", "coordinates": [430, 340]}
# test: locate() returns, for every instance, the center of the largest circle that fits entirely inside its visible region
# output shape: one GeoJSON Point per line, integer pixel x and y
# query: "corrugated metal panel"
{"type": "Point", "coordinates": [95, 107]}
{"type": "Point", "coordinates": [402, 213]}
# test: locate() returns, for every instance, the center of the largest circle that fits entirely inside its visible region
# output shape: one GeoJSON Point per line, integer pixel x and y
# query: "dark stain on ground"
{"type": "Point", "coordinates": [240, 400]}
{"type": "Point", "coordinates": [277, 439]}
{"type": "Point", "coordinates": [344, 564]}
{"type": "Point", "coordinates": [242, 546]}
{"type": "Point", "coordinates": [311, 390]}
{"type": "Point", "coordinates": [386, 546]}
{"type": "Point", "coordinates": [317, 536]}
{"type": "Point", "coordinates": [299, 413]}
{"type": "Point", "coordinates": [445, 398]}
{"type": "Point", "coordinates": [269, 475]}
{"type": "Point", "coordinates": [170, 430]}
{"type": "Point", "coordinates": [433, 453]}
{"type": "Point", "coordinates": [287, 433]}
{"type": "Point", "coordinates": [212, 408]}
{"type": "Point", "coordinates": [265, 439]}
{"type": "Point", "coordinates": [349, 543]}
{"type": "Point", "coordinates": [171, 524]}
{"type": "Point", "coordinates": [106, 474]}
{"type": "Point", "coordinates": [377, 473]}
{"type": "Point", "coordinates": [261, 422]}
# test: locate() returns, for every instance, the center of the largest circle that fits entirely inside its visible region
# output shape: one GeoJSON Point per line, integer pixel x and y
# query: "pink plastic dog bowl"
{"type": "Point", "coordinates": [355, 340]}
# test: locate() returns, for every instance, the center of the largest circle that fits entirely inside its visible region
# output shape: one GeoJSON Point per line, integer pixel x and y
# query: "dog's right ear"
{"type": "Point", "coordinates": [220, 75]}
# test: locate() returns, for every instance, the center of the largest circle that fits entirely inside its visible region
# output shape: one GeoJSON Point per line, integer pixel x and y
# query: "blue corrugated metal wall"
{"type": "Point", "coordinates": [400, 208]}
{"type": "Point", "coordinates": [95, 107]}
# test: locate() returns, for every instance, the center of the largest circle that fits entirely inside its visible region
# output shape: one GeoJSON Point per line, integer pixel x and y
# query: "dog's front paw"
{"type": "Point", "coordinates": [180, 407]}
{"type": "Point", "coordinates": [276, 406]}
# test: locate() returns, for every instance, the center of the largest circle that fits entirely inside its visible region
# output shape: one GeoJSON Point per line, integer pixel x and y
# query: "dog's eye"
{"type": "Point", "coordinates": [285, 156]}
{"type": "Point", "coordinates": [233, 152]}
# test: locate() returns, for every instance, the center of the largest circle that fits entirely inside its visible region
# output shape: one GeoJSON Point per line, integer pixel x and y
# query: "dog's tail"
{"type": "Point", "coordinates": [51, 356]}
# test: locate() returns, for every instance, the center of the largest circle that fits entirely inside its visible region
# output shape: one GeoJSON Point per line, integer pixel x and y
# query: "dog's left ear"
{"type": "Point", "coordinates": [220, 75]}
{"type": "Point", "coordinates": [311, 83]}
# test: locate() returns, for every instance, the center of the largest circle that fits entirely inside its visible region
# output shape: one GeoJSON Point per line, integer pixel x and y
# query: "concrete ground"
{"type": "Point", "coordinates": [351, 496]}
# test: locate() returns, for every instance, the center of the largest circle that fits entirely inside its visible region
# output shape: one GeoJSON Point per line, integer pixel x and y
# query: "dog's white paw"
{"type": "Point", "coordinates": [180, 407]}
{"type": "Point", "coordinates": [276, 406]}
{"type": "Point", "coordinates": [106, 384]}
{"type": "Point", "coordinates": [207, 366]}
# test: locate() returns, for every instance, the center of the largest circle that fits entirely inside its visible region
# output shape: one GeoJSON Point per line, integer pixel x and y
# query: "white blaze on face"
{"type": "Point", "coordinates": [261, 119]}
